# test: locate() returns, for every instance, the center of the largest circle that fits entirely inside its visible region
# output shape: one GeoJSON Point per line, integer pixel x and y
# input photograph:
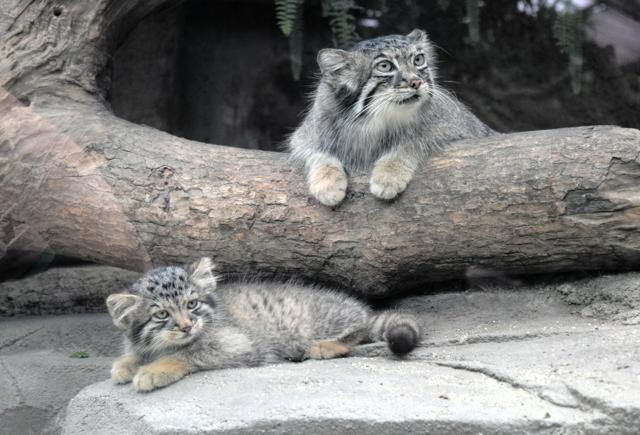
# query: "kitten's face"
{"type": "Point", "coordinates": [168, 307]}
{"type": "Point", "coordinates": [386, 77]}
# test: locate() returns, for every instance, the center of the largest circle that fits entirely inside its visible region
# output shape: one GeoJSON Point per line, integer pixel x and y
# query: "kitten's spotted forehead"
{"type": "Point", "coordinates": [165, 283]}
{"type": "Point", "coordinates": [389, 42]}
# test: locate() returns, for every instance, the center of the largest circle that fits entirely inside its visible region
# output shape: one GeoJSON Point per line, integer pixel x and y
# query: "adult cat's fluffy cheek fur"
{"type": "Point", "coordinates": [387, 112]}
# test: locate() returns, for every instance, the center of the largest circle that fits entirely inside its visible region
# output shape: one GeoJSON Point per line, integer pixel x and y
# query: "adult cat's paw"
{"type": "Point", "coordinates": [328, 184]}
{"type": "Point", "coordinates": [123, 369]}
{"type": "Point", "coordinates": [389, 179]}
{"type": "Point", "coordinates": [159, 374]}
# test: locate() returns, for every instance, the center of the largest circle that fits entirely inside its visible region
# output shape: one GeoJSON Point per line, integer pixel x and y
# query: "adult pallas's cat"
{"type": "Point", "coordinates": [377, 105]}
{"type": "Point", "coordinates": [177, 321]}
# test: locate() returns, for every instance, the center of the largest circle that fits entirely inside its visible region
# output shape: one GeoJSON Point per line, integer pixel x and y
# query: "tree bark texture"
{"type": "Point", "coordinates": [100, 188]}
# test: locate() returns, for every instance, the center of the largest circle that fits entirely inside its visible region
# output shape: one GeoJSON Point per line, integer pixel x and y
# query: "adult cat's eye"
{"type": "Point", "coordinates": [161, 314]}
{"type": "Point", "coordinates": [384, 66]}
{"type": "Point", "coordinates": [419, 60]}
{"type": "Point", "coordinates": [192, 304]}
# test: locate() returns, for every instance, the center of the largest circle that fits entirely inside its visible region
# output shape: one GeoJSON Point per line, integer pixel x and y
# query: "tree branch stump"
{"type": "Point", "coordinates": [103, 189]}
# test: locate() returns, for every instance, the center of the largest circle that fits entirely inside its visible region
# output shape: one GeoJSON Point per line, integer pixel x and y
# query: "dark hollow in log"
{"type": "Point", "coordinates": [99, 188]}
{"type": "Point", "coordinates": [63, 290]}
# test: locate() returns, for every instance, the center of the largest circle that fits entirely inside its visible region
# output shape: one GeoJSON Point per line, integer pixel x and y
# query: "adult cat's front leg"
{"type": "Point", "coordinates": [327, 179]}
{"type": "Point", "coordinates": [390, 175]}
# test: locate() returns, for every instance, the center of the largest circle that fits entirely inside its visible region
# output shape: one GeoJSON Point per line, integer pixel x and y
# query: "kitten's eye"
{"type": "Point", "coordinates": [419, 60]}
{"type": "Point", "coordinates": [161, 314]}
{"type": "Point", "coordinates": [192, 304]}
{"type": "Point", "coordinates": [384, 66]}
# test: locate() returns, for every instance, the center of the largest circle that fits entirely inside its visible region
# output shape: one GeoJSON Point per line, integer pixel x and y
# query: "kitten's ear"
{"type": "Point", "coordinates": [121, 307]}
{"type": "Point", "coordinates": [418, 35]}
{"type": "Point", "coordinates": [201, 273]}
{"type": "Point", "coordinates": [332, 60]}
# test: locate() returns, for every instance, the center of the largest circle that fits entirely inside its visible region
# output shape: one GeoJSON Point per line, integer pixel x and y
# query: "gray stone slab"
{"type": "Point", "coordinates": [587, 382]}
{"type": "Point", "coordinates": [38, 376]}
{"type": "Point", "coordinates": [353, 395]}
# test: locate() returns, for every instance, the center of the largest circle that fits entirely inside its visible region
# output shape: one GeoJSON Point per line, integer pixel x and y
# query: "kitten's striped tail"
{"type": "Point", "coordinates": [400, 330]}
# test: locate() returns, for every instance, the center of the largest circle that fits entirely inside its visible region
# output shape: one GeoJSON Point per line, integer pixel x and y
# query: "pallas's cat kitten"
{"type": "Point", "coordinates": [177, 321]}
{"type": "Point", "coordinates": [378, 105]}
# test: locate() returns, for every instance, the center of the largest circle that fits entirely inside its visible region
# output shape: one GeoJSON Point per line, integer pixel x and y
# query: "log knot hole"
{"type": "Point", "coordinates": [163, 174]}
{"type": "Point", "coordinates": [622, 177]}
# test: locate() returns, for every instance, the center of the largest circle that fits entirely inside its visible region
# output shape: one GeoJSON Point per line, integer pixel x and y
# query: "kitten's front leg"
{"type": "Point", "coordinates": [391, 174]}
{"type": "Point", "coordinates": [160, 373]}
{"type": "Point", "coordinates": [124, 368]}
{"type": "Point", "coordinates": [327, 349]}
{"type": "Point", "coordinates": [341, 346]}
{"type": "Point", "coordinates": [327, 179]}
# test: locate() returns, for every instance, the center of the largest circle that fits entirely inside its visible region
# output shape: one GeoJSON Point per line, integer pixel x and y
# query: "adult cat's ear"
{"type": "Point", "coordinates": [201, 273]}
{"type": "Point", "coordinates": [332, 60]}
{"type": "Point", "coordinates": [418, 35]}
{"type": "Point", "coordinates": [121, 307]}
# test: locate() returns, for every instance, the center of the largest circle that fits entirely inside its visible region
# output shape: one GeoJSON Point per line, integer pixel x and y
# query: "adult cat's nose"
{"type": "Point", "coordinates": [415, 83]}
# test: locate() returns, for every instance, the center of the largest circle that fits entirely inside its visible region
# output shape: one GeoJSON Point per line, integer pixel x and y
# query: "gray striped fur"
{"type": "Point", "coordinates": [362, 117]}
{"type": "Point", "coordinates": [239, 324]}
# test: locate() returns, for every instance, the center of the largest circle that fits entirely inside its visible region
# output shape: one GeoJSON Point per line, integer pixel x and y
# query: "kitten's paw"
{"type": "Point", "coordinates": [159, 374]}
{"type": "Point", "coordinates": [149, 380]}
{"type": "Point", "coordinates": [123, 369]}
{"type": "Point", "coordinates": [328, 349]}
{"type": "Point", "coordinates": [328, 184]}
{"type": "Point", "coordinates": [122, 375]}
{"type": "Point", "coordinates": [389, 179]}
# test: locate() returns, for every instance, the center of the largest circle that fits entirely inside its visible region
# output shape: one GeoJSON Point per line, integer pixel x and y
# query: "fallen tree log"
{"type": "Point", "coordinates": [103, 189]}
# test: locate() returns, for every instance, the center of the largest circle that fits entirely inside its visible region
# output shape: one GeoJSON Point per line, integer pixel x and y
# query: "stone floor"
{"type": "Point", "coordinates": [529, 360]}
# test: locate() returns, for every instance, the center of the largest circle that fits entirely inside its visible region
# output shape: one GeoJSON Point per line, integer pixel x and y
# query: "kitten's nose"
{"type": "Point", "coordinates": [415, 83]}
{"type": "Point", "coordinates": [186, 327]}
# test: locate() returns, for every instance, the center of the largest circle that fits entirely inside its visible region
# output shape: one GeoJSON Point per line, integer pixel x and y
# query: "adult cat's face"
{"type": "Point", "coordinates": [167, 307]}
{"type": "Point", "coordinates": [386, 77]}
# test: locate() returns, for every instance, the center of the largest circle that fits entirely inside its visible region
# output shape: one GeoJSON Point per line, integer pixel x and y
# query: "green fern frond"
{"type": "Point", "coordinates": [342, 21]}
{"type": "Point", "coordinates": [473, 21]}
{"type": "Point", "coordinates": [296, 47]}
{"type": "Point", "coordinates": [568, 30]}
{"type": "Point", "coordinates": [287, 14]}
